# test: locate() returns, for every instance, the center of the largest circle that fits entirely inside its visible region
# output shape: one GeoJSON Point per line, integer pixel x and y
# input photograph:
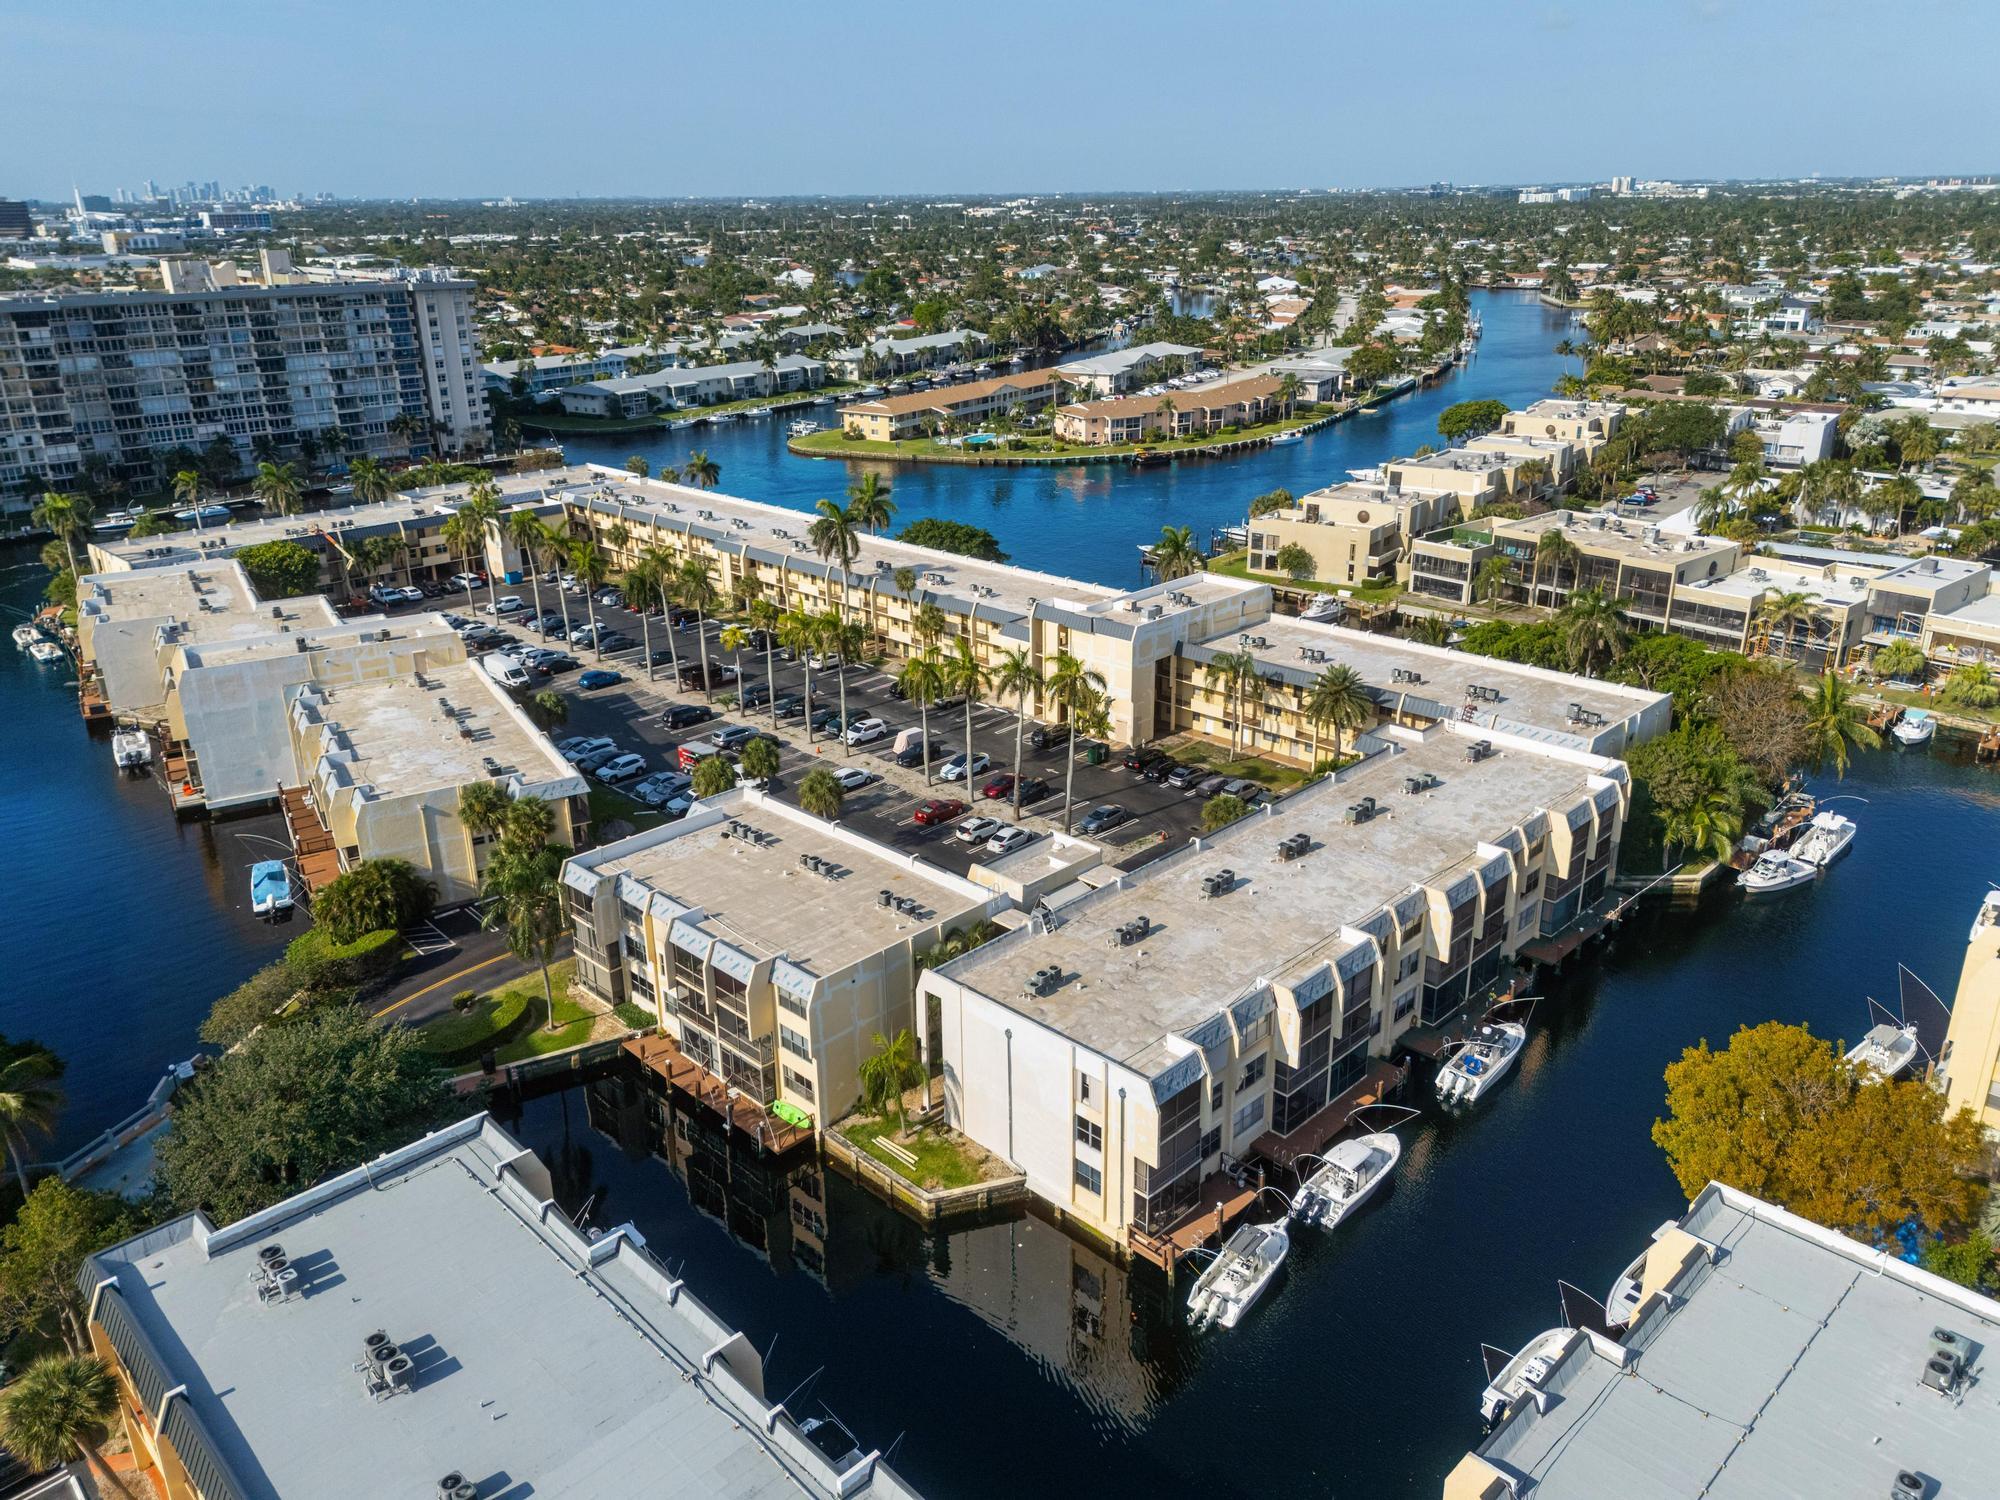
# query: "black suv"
{"type": "Point", "coordinates": [1042, 736]}
{"type": "Point", "coordinates": [681, 715]}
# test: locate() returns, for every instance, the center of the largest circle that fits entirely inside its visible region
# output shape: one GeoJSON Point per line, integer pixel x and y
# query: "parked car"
{"type": "Point", "coordinates": [1160, 770]}
{"type": "Point", "coordinates": [555, 663]}
{"type": "Point", "coordinates": [683, 619]}
{"type": "Point", "coordinates": [624, 768]}
{"type": "Point", "coordinates": [505, 670]}
{"type": "Point", "coordinates": [1141, 758]}
{"type": "Point", "coordinates": [1208, 786]}
{"type": "Point", "coordinates": [677, 805]}
{"type": "Point", "coordinates": [788, 706]}
{"type": "Point", "coordinates": [1102, 819]}
{"type": "Point", "coordinates": [683, 715]}
{"type": "Point", "coordinates": [824, 661]}
{"type": "Point", "coordinates": [456, 622]}
{"type": "Point", "coordinates": [467, 582]}
{"type": "Point", "coordinates": [1000, 786]}
{"type": "Point", "coordinates": [506, 604]}
{"type": "Point", "coordinates": [958, 769]}
{"type": "Point", "coordinates": [853, 778]}
{"type": "Point", "coordinates": [1183, 777]}
{"type": "Point", "coordinates": [584, 634]}
{"type": "Point", "coordinates": [597, 759]}
{"type": "Point", "coordinates": [756, 695]}
{"type": "Point", "coordinates": [611, 597]}
{"type": "Point", "coordinates": [580, 745]}
{"type": "Point", "coordinates": [866, 731]}
{"type": "Point", "coordinates": [1244, 788]}
{"type": "Point", "coordinates": [599, 677]}
{"type": "Point", "coordinates": [732, 736]}
{"type": "Point", "coordinates": [1007, 840]}
{"type": "Point", "coordinates": [1033, 790]}
{"type": "Point", "coordinates": [976, 830]}
{"type": "Point", "coordinates": [823, 719]}
{"type": "Point", "coordinates": [615, 640]}
{"type": "Point", "coordinates": [939, 810]}
{"type": "Point", "coordinates": [655, 790]}
{"type": "Point", "coordinates": [1042, 736]}
{"type": "Point", "coordinates": [430, 588]}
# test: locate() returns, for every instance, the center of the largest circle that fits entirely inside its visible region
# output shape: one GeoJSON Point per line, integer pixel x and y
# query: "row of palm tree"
{"type": "Point", "coordinates": [1337, 700]}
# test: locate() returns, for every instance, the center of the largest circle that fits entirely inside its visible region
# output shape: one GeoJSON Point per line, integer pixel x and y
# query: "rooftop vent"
{"type": "Point", "coordinates": [1907, 1486]}
{"type": "Point", "coordinates": [1220, 883]}
{"type": "Point", "coordinates": [1311, 653]}
{"type": "Point", "coordinates": [885, 898]}
{"type": "Point", "coordinates": [1479, 692]}
{"type": "Point", "coordinates": [1423, 781]}
{"type": "Point", "coordinates": [1134, 931]}
{"type": "Point", "coordinates": [1478, 750]}
{"type": "Point", "coordinates": [1404, 674]}
{"type": "Point", "coordinates": [455, 1486]}
{"type": "Point", "coordinates": [1362, 811]}
{"type": "Point", "coordinates": [1044, 981]}
{"type": "Point", "coordinates": [1295, 847]}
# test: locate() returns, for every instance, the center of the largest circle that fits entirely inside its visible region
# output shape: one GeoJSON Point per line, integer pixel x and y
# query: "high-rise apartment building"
{"type": "Point", "coordinates": [130, 382]}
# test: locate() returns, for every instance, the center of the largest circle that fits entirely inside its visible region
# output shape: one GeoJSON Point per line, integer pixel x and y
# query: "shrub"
{"type": "Point", "coordinates": [318, 964]}
{"type": "Point", "coordinates": [465, 1000]}
{"type": "Point", "coordinates": [252, 1003]}
{"type": "Point", "coordinates": [376, 893]}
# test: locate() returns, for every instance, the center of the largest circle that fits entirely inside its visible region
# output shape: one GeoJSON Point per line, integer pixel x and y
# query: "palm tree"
{"type": "Point", "coordinates": [69, 516]}
{"type": "Point", "coordinates": [525, 882]}
{"type": "Point", "coordinates": [701, 471]}
{"type": "Point", "coordinates": [964, 676]}
{"type": "Point", "coordinates": [764, 620]}
{"type": "Point", "coordinates": [54, 1410]}
{"type": "Point", "coordinates": [1554, 548]}
{"type": "Point", "coordinates": [187, 489]}
{"type": "Point", "coordinates": [1833, 722]}
{"type": "Point", "coordinates": [525, 530]}
{"type": "Point", "coordinates": [1015, 676]}
{"type": "Point", "coordinates": [835, 539]}
{"type": "Point", "coordinates": [819, 793]}
{"type": "Point", "coordinates": [868, 503]}
{"type": "Point", "coordinates": [694, 586]}
{"type": "Point", "coordinates": [1340, 701]}
{"type": "Point", "coordinates": [29, 1102]}
{"type": "Point", "coordinates": [798, 633]}
{"type": "Point", "coordinates": [888, 1072]}
{"type": "Point", "coordinates": [548, 708]}
{"type": "Point", "coordinates": [1175, 555]}
{"type": "Point", "coordinates": [371, 481]}
{"type": "Point", "coordinates": [922, 682]}
{"type": "Point", "coordinates": [1782, 612]}
{"type": "Point", "coordinates": [277, 485]}
{"type": "Point", "coordinates": [639, 466]}
{"type": "Point", "coordinates": [483, 807]}
{"type": "Point", "coordinates": [1711, 821]}
{"type": "Point", "coordinates": [1715, 506]}
{"type": "Point", "coordinates": [586, 560]}
{"type": "Point", "coordinates": [641, 579]}
{"type": "Point", "coordinates": [733, 639]}
{"type": "Point", "coordinates": [1231, 673]}
{"type": "Point", "coordinates": [1592, 628]}
{"type": "Point", "coordinates": [1491, 578]}
{"type": "Point", "coordinates": [1078, 690]}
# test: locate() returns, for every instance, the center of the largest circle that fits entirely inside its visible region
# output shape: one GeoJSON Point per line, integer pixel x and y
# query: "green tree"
{"type": "Point", "coordinates": [1295, 562]}
{"type": "Point", "coordinates": [523, 881]}
{"type": "Point", "coordinates": [548, 708]}
{"type": "Point", "coordinates": [1834, 720]}
{"type": "Point", "coordinates": [1221, 810]}
{"type": "Point", "coordinates": [1899, 658]}
{"type": "Point", "coordinates": [57, 1408]}
{"type": "Point", "coordinates": [1338, 700]}
{"type": "Point", "coordinates": [964, 678]}
{"type": "Point", "coordinates": [257, 1000]}
{"type": "Point", "coordinates": [1593, 630]}
{"type": "Point", "coordinates": [1469, 419]}
{"type": "Point", "coordinates": [1490, 580]}
{"type": "Point", "coordinates": [280, 570]}
{"type": "Point", "coordinates": [713, 776]}
{"type": "Point", "coordinates": [43, 1250]}
{"type": "Point", "coordinates": [374, 895]}
{"type": "Point", "coordinates": [922, 682]}
{"type": "Point", "coordinates": [1270, 501]}
{"type": "Point", "coordinates": [889, 1072]}
{"type": "Point", "coordinates": [868, 503]}
{"type": "Point", "coordinates": [641, 466]}
{"type": "Point", "coordinates": [30, 1099]}
{"type": "Point", "coordinates": [294, 1104]}
{"type": "Point", "coordinates": [1015, 676]}
{"type": "Point", "coordinates": [1079, 691]}
{"type": "Point", "coordinates": [1429, 630]}
{"type": "Point", "coordinates": [700, 471]}
{"type": "Point", "coordinates": [278, 486]}
{"type": "Point", "coordinates": [941, 535]}
{"type": "Point", "coordinates": [151, 523]}
{"type": "Point", "coordinates": [1236, 676]}
{"type": "Point", "coordinates": [1969, 1261]}
{"type": "Point", "coordinates": [1175, 554]}
{"type": "Point", "coordinates": [371, 481]}
{"type": "Point", "coordinates": [1786, 617]}
{"type": "Point", "coordinates": [694, 587]}
{"type": "Point", "coordinates": [760, 760]}
{"type": "Point", "coordinates": [820, 793]}
{"type": "Point", "coordinates": [588, 562]}
{"type": "Point", "coordinates": [1969, 686]}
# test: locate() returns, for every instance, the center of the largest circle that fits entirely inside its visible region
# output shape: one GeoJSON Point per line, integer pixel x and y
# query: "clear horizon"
{"type": "Point", "coordinates": [451, 103]}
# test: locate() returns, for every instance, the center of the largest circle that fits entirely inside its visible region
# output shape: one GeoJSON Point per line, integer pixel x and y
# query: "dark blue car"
{"type": "Point", "coordinates": [598, 677]}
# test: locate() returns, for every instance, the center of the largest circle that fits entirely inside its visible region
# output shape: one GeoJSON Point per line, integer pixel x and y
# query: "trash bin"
{"type": "Point", "coordinates": [1094, 755]}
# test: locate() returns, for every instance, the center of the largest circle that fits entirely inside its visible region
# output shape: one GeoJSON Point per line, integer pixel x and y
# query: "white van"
{"type": "Point", "coordinates": [505, 670]}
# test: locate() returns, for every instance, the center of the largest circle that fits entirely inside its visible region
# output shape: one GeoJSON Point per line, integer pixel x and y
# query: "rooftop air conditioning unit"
{"type": "Point", "coordinates": [1907, 1486]}
{"type": "Point", "coordinates": [1294, 847]}
{"type": "Point", "coordinates": [885, 899]}
{"type": "Point", "coordinates": [1220, 883]}
{"type": "Point", "coordinates": [1478, 750]}
{"type": "Point", "coordinates": [455, 1486]}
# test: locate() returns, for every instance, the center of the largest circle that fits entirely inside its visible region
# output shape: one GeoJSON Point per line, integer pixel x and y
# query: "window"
{"type": "Point", "coordinates": [1256, 1031]}
{"type": "Point", "coordinates": [1089, 1178]}
{"type": "Point", "coordinates": [1083, 1087]}
{"type": "Point", "coordinates": [1253, 1072]}
{"type": "Point", "coordinates": [798, 1083]}
{"type": "Point", "coordinates": [1215, 1096]}
{"type": "Point", "coordinates": [1090, 1133]}
{"type": "Point", "coordinates": [793, 1043]}
{"type": "Point", "coordinates": [1405, 1004]}
{"type": "Point", "coordinates": [1408, 964]}
{"type": "Point", "coordinates": [1248, 1116]}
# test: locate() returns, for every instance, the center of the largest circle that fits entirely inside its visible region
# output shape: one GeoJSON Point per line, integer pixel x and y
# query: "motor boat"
{"type": "Point", "coordinates": [131, 749]}
{"type": "Point", "coordinates": [1914, 729]}
{"type": "Point", "coordinates": [1623, 1303]}
{"type": "Point", "coordinates": [25, 637]}
{"type": "Point", "coordinates": [1775, 871]}
{"type": "Point", "coordinates": [1521, 1373]}
{"type": "Point", "coordinates": [1287, 437]}
{"type": "Point", "coordinates": [1825, 839]}
{"type": "Point", "coordinates": [195, 514]}
{"type": "Point", "coordinates": [1481, 1061]}
{"type": "Point", "coordinates": [1237, 1277]}
{"type": "Point", "coordinates": [1887, 1050]}
{"type": "Point", "coordinates": [1348, 1175]}
{"type": "Point", "coordinates": [270, 887]}
{"type": "Point", "coordinates": [803, 427]}
{"type": "Point", "coordinates": [758, 411]}
{"type": "Point", "coordinates": [1323, 608]}
{"type": "Point", "coordinates": [115, 521]}
{"type": "Point", "coordinates": [46, 652]}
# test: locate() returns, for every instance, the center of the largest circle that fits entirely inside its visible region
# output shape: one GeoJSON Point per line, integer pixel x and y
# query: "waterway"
{"type": "Point", "coordinates": [1088, 521]}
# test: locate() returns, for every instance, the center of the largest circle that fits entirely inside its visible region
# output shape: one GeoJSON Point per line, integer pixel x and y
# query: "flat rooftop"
{"type": "Point", "coordinates": [1788, 1366]}
{"type": "Point", "coordinates": [544, 1362]}
{"type": "Point", "coordinates": [1204, 952]}
{"type": "Point", "coordinates": [1983, 611]}
{"type": "Point", "coordinates": [757, 897]}
{"type": "Point", "coordinates": [1454, 460]}
{"type": "Point", "coordinates": [1532, 700]}
{"type": "Point", "coordinates": [1760, 575]}
{"type": "Point", "coordinates": [1933, 572]}
{"type": "Point", "coordinates": [1628, 537]}
{"type": "Point", "coordinates": [429, 629]}
{"type": "Point", "coordinates": [411, 737]}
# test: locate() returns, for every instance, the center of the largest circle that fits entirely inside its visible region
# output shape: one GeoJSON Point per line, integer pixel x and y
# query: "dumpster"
{"type": "Point", "coordinates": [1093, 754]}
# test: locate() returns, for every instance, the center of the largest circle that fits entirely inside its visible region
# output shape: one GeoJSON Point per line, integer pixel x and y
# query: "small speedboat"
{"type": "Point", "coordinates": [1481, 1060]}
{"type": "Point", "coordinates": [25, 637]}
{"type": "Point", "coordinates": [1348, 1175]}
{"type": "Point", "coordinates": [1237, 1277]}
{"type": "Point", "coordinates": [131, 749]}
{"type": "Point", "coordinates": [1887, 1050]}
{"type": "Point", "coordinates": [1286, 437]}
{"type": "Point", "coordinates": [1914, 729]}
{"type": "Point", "coordinates": [803, 427]}
{"type": "Point", "coordinates": [1522, 1373]}
{"type": "Point", "coordinates": [203, 513]}
{"type": "Point", "coordinates": [1825, 839]}
{"type": "Point", "coordinates": [115, 521]}
{"type": "Point", "coordinates": [758, 411]}
{"type": "Point", "coordinates": [46, 652]}
{"type": "Point", "coordinates": [1775, 871]}
{"type": "Point", "coordinates": [270, 887]}
{"type": "Point", "coordinates": [1623, 1303]}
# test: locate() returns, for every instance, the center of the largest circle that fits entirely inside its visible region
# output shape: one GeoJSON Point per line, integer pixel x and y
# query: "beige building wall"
{"type": "Point", "coordinates": [1971, 1062]}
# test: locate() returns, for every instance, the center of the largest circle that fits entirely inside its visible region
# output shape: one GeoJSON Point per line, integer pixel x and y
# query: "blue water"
{"type": "Point", "coordinates": [1088, 521]}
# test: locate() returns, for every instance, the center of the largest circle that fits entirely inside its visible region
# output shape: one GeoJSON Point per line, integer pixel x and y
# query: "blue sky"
{"type": "Point", "coordinates": [614, 97]}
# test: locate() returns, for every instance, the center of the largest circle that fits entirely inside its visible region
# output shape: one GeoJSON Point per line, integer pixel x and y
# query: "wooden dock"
{"type": "Point", "coordinates": [663, 1056]}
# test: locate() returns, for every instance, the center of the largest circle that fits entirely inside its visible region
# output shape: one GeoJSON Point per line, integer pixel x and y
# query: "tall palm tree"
{"type": "Point", "coordinates": [525, 530]}
{"type": "Point", "coordinates": [586, 560]}
{"type": "Point", "coordinates": [69, 516]}
{"type": "Point", "coordinates": [1337, 700]}
{"type": "Point", "coordinates": [187, 489]}
{"type": "Point", "coordinates": [525, 882]}
{"type": "Point", "coordinates": [868, 503]}
{"type": "Point", "coordinates": [701, 471]}
{"type": "Point", "coordinates": [1076, 689]}
{"type": "Point", "coordinates": [1593, 630]}
{"type": "Point", "coordinates": [1175, 554]}
{"type": "Point", "coordinates": [694, 586]}
{"type": "Point", "coordinates": [1015, 676]}
{"type": "Point", "coordinates": [278, 486]}
{"type": "Point", "coordinates": [1231, 673]}
{"type": "Point", "coordinates": [836, 539]}
{"type": "Point", "coordinates": [55, 1410]}
{"type": "Point", "coordinates": [659, 570]}
{"type": "Point", "coordinates": [963, 675]}
{"type": "Point", "coordinates": [371, 481]}
{"type": "Point", "coordinates": [1782, 612]}
{"type": "Point", "coordinates": [922, 682]}
{"type": "Point", "coordinates": [642, 579]}
{"type": "Point", "coordinates": [764, 620]}
{"type": "Point", "coordinates": [30, 1100]}
{"type": "Point", "coordinates": [483, 807]}
{"type": "Point", "coordinates": [1833, 722]}
{"type": "Point", "coordinates": [798, 633]}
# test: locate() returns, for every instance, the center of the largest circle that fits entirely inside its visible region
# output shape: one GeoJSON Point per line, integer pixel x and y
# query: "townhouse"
{"type": "Point", "coordinates": [891, 418]}
{"type": "Point", "coordinates": [679, 386]}
{"type": "Point", "coordinates": [1355, 533]}
{"type": "Point", "coordinates": [1177, 414]}
{"type": "Point", "coordinates": [1123, 370]}
{"type": "Point", "coordinates": [886, 358]}
{"type": "Point", "coordinates": [1585, 425]}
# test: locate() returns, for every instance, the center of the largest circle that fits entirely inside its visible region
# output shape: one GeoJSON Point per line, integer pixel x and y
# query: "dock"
{"type": "Point", "coordinates": [662, 1056]}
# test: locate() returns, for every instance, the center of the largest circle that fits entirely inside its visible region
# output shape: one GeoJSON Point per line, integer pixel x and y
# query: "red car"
{"type": "Point", "coordinates": [999, 786]}
{"type": "Point", "coordinates": [939, 810]}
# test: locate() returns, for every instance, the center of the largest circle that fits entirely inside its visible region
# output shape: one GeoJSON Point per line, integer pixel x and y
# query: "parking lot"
{"type": "Point", "coordinates": [629, 712]}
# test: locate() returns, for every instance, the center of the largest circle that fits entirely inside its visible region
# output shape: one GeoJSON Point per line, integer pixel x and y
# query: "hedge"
{"type": "Point", "coordinates": [319, 963]}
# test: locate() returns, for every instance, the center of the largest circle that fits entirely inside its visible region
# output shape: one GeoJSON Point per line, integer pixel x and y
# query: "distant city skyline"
{"type": "Point", "coordinates": [742, 102]}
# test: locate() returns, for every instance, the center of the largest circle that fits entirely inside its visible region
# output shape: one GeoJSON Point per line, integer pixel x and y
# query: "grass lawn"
{"type": "Point", "coordinates": [944, 1160]}
{"type": "Point", "coordinates": [1217, 759]}
{"type": "Point", "coordinates": [607, 803]}
{"type": "Point", "coordinates": [1910, 699]}
{"type": "Point", "coordinates": [1235, 565]}
{"type": "Point", "coordinates": [635, 1016]}
{"type": "Point", "coordinates": [498, 1011]}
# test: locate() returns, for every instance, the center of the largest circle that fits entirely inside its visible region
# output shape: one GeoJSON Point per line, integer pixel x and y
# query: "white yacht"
{"type": "Point", "coordinates": [1236, 1278]}
{"type": "Point", "coordinates": [757, 411]}
{"type": "Point", "coordinates": [803, 427]}
{"type": "Point", "coordinates": [1523, 1373]}
{"type": "Point", "coordinates": [1888, 1050]}
{"type": "Point", "coordinates": [46, 652]}
{"type": "Point", "coordinates": [1914, 729]}
{"type": "Point", "coordinates": [1287, 437]}
{"type": "Point", "coordinates": [1775, 871]}
{"type": "Point", "coordinates": [1349, 1174]}
{"type": "Point", "coordinates": [25, 636]}
{"type": "Point", "coordinates": [1324, 607]}
{"type": "Point", "coordinates": [131, 749]}
{"type": "Point", "coordinates": [1623, 1302]}
{"type": "Point", "coordinates": [1481, 1061]}
{"type": "Point", "coordinates": [1826, 838]}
